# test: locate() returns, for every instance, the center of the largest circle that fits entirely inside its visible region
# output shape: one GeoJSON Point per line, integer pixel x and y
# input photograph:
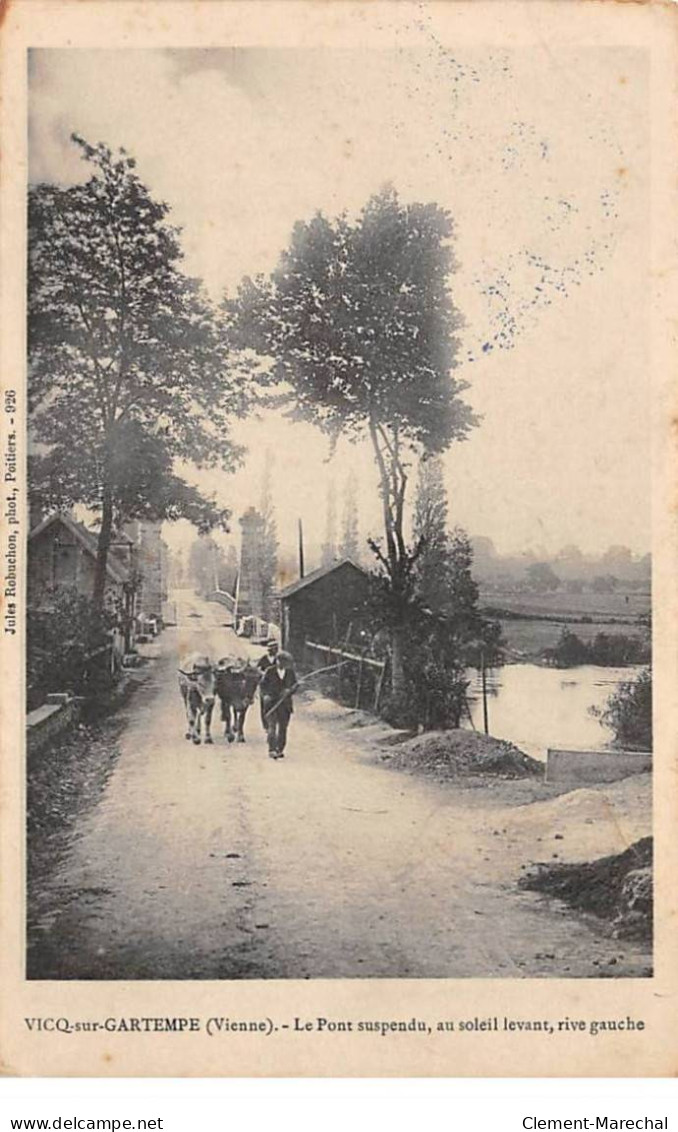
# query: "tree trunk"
{"type": "Point", "coordinates": [103, 548]}
{"type": "Point", "coordinates": [397, 660]}
{"type": "Point", "coordinates": [393, 486]}
{"type": "Point", "coordinates": [130, 598]}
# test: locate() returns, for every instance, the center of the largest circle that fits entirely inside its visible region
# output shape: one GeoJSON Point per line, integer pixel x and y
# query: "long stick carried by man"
{"type": "Point", "coordinates": [303, 679]}
{"type": "Point", "coordinates": [278, 685]}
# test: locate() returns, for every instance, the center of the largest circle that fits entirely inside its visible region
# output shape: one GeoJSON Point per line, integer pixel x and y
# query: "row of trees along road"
{"type": "Point", "coordinates": [358, 322]}
{"type": "Point", "coordinates": [129, 367]}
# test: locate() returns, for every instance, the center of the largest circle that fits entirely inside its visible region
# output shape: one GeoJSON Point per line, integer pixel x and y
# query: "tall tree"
{"type": "Point", "coordinates": [208, 569]}
{"type": "Point", "coordinates": [462, 598]}
{"type": "Point", "coordinates": [350, 543]}
{"type": "Point", "coordinates": [431, 535]}
{"type": "Point", "coordinates": [176, 568]}
{"type": "Point", "coordinates": [128, 366]}
{"type": "Point", "coordinates": [358, 318]}
{"type": "Point", "coordinates": [228, 577]}
{"type": "Point", "coordinates": [329, 550]}
{"type": "Point", "coordinates": [444, 567]}
{"type": "Point", "coordinates": [268, 550]}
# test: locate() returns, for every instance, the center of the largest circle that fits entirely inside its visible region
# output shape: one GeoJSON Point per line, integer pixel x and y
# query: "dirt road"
{"type": "Point", "coordinates": [219, 863]}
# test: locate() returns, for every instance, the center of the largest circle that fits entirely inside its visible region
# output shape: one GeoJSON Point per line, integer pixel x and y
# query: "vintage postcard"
{"type": "Point", "coordinates": [339, 548]}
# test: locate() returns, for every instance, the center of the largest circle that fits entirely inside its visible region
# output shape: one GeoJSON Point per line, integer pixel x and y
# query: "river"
{"type": "Point", "coordinates": [537, 708]}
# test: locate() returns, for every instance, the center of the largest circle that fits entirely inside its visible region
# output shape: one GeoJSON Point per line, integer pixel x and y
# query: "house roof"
{"type": "Point", "coordinates": [316, 575]}
{"type": "Point", "coordinates": [115, 570]}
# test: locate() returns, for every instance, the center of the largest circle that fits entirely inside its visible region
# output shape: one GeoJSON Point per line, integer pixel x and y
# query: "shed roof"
{"type": "Point", "coordinates": [115, 570]}
{"type": "Point", "coordinates": [316, 575]}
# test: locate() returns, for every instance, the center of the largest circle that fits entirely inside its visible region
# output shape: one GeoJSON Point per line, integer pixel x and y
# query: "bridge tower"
{"type": "Point", "coordinates": [248, 597]}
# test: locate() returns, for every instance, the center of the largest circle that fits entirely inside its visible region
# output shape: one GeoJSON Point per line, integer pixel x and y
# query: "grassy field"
{"type": "Point", "coordinates": [600, 606]}
{"type": "Point", "coordinates": [530, 638]}
{"type": "Point", "coordinates": [604, 613]}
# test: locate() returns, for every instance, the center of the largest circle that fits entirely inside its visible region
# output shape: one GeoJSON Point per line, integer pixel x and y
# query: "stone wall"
{"type": "Point", "coordinates": [45, 723]}
{"type": "Point", "coordinates": [583, 767]}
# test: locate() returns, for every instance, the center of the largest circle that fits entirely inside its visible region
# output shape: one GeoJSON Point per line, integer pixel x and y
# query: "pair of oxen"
{"type": "Point", "coordinates": [232, 680]}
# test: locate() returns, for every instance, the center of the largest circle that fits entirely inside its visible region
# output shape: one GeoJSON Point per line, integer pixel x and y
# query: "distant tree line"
{"type": "Point", "coordinates": [569, 571]}
{"type": "Point", "coordinates": [344, 543]}
{"type": "Point", "coordinates": [607, 649]}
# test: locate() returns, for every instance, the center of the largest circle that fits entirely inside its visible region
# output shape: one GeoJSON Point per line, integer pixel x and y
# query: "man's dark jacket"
{"type": "Point", "coordinates": [273, 688]}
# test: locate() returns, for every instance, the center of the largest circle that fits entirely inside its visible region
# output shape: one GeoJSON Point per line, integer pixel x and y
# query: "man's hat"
{"type": "Point", "coordinates": [271, 642]}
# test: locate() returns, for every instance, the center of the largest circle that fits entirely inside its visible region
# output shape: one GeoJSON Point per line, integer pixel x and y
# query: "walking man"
{"type": "Point", "coordinates": [278, 683]}
{"type": "Point", "coordinates": [264, 662]}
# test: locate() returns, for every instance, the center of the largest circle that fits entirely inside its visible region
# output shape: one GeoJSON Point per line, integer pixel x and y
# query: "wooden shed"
{"type": "Point", "coordinates": [322, 606]}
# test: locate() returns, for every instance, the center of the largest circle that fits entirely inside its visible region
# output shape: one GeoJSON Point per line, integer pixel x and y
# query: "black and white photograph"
{"type": "Point", "coordinates": [333, 578]}
{"type": "Point", "coordinates": [339, 608]}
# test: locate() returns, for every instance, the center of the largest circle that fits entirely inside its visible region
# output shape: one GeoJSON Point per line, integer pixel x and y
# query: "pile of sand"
{"type": "Point", "coordinates": [460, 753]}
{"type": "Point", "coordinates": [593, 821]}
{"type": "Point", "coordinates": [617, 888]}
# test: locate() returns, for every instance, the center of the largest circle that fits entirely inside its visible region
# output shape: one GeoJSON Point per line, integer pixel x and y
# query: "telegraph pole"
{"type": "Point", "coordinates": [484, 680]}
{"type": "Point", "coordinates": [301, 549]}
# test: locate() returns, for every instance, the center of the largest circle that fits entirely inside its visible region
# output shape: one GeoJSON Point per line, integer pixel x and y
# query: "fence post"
{"type": "Point", "coordinates": [377, 694]}
{"type": "Point", "coordinates": [359, 684]}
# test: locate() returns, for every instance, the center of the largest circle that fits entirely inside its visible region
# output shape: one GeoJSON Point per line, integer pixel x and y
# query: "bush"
{"type": "Point", "coordinates": [570, 651]}
{"type": "Point", "coordinates": [59, 646]}
{"type": "Point", "coordinates": [616, 649]}
{"type": "Point", "coordinates": [436, 682]}
{"type": "Point", "coordinates": [488, 646]}
{"type": "Point", "coordinates": [629, 713]}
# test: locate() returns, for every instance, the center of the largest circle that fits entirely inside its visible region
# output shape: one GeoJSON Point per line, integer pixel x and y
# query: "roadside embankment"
{"type": "Point", "coordinates": [67, 771]}
{"type": "Point", "coordinates": [617, 889]}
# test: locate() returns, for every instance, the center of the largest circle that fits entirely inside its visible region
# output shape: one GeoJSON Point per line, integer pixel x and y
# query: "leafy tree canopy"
{"type": "Point", "coordinates": [128, 361]}
{"type": "Point", "coordinates": [360, 321]}
{"type": "Point", "coordinates": [140, 470]}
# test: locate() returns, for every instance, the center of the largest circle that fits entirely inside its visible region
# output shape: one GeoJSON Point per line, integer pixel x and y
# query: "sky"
{"type": "Point", "coordinates": [541, 160]}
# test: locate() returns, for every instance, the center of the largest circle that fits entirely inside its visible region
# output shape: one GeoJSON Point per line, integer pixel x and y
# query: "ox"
{"type": "Point", "coordinates": [197, 686]}
{"type": "Point", "coordinates": [236, 683]}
